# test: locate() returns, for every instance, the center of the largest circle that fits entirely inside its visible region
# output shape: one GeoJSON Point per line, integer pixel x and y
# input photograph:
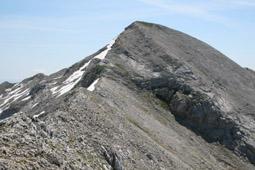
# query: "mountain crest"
{"type": "Point", "coordinates": [153, 98]}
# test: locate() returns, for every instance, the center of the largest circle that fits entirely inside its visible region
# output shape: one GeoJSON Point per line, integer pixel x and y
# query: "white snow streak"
{"type": "Point", "coordinates": [66, 88]}
{"type": "Point", "coordinates": [75, 78]}
{"type": "Point", "coordinates": [92, 86]}
{"type": "Point", "coordinates": [34, 105]}
{"type": "Point", "coordinates": [70, 82]}
{"type": "Point", "coordinates": [76, 75]}
{"type": "Point", "coordinates": [40, 114]}
{"type": "Point", "coordinates": [57, 78]}
{"type": "Point", "coordinates": [13, 96]}
{"type": "Point", "coordinates": [102, 55]}
{"type": "Point", "coordinates": [21, 94]}
{"type": "Point", "coordinates": [27, 98]}
{"type": "Point", "coordinates": [8, 90]}
{"type": "Point", "coordinates": [16, 90]}
{"type": "Point", "coordinates": [54, 90]}
{"type": "Point", "coordinates": [17, 84]}
{"type": "Point", "coordinates": [85, 65]}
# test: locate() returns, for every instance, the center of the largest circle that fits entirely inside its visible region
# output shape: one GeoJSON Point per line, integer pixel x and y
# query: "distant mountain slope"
{"type": "Point", "coordinates": [153, 98]}
{"type": "Point", "coordinates": [4, 86]}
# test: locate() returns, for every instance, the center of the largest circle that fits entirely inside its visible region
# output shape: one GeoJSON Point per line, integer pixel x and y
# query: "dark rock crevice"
{"type": "Point", "coordinates": [113, 159]}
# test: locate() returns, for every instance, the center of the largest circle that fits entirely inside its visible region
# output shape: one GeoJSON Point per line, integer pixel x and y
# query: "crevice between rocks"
{"type": "Point", "coordinates": [112, 158]}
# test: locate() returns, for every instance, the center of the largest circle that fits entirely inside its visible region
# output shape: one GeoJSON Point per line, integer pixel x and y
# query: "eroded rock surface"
{"type": "Point", "coordinates": [154, 98]}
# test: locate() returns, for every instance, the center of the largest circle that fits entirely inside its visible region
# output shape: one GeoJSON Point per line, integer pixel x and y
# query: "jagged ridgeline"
{"type": "Point", "coordinates": [153, 98]}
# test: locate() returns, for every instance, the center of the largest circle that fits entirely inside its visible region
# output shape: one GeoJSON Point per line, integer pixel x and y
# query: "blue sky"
{"type": "Point", "coordinates": [48, 35]}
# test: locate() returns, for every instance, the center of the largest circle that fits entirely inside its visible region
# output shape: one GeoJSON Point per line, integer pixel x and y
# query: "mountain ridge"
{"type": "Point", "coordinates": [154, 98]}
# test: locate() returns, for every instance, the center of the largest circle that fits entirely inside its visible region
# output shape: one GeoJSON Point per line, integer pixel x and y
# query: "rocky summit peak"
{"type": "Point", "coordinates": [153, 98]}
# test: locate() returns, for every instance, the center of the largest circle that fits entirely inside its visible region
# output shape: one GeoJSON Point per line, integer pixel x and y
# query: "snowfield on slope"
{"type": "Point", "coordinates": [75, 78]}
{"type": "Point", "coordinates": [13, 95]}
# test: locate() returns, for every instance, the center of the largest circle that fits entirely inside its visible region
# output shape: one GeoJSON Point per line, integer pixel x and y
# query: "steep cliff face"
{"type": "Point", "coordinates": [154, 98]}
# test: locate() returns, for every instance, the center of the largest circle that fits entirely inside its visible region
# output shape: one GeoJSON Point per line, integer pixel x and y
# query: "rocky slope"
{"type": "Point", "coordinates": [154, 98]}
{"type": "Point", "coordinates": [4, 86]}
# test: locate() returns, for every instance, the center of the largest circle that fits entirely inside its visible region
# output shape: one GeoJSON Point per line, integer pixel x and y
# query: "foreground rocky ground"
{"type": "Point", "coordinates": [154, 98]}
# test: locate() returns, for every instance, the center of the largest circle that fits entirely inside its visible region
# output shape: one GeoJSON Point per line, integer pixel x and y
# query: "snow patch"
{"type": "Point", "coordinates": [57, 78]}
{"type": "Point", "coordinates": [54, 90]}
{"type": "Point", "coordinates": [75, 78]}
{"type": "Point", "coordinates": [16, 90]}
{"type": "Point", "coordinates": [76, 75]}
{"type": "Point", "coordinates": [27, 98]}
{"type": "Point", "coordinates": [13, 96]}
{"type": "Point", "coordinates": [38, 115]}
{"type": "Point", "coordinates": [8, 90]}
{"type": "Point", "coordinates": [66, 88]}
{"type": "Point", "coordinates": [92, 86]}
{"type": "Point", "coordinates": [85, 65]}
{"type": "Point", "coordinates": [21, 94]}
{"type": "Point", "coordinates": [102, 55]}
{"type": "Point", "coordinates": [35, 105]}
{"type": "Point", "coordinates": [15, 85]}
{"type": "Point", "coordinates": [70, 82]}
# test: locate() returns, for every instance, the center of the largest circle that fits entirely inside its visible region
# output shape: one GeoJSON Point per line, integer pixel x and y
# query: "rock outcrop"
{"type": "Point", "coordinates": [4, 86]}
{"type": "Point", "coordinates": [154, 98]}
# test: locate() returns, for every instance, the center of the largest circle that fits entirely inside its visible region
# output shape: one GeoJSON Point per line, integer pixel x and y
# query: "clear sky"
{"type": "Point", "coordinates": [48, 35]}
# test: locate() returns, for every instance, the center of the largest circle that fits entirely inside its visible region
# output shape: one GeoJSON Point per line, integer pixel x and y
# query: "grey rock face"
{"type": "Point", "coordinates": [154, 98]}
{"type": "Point", "coordinates": [197, 72]}
{"type": "Point", "coordinates": [4, 86]}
